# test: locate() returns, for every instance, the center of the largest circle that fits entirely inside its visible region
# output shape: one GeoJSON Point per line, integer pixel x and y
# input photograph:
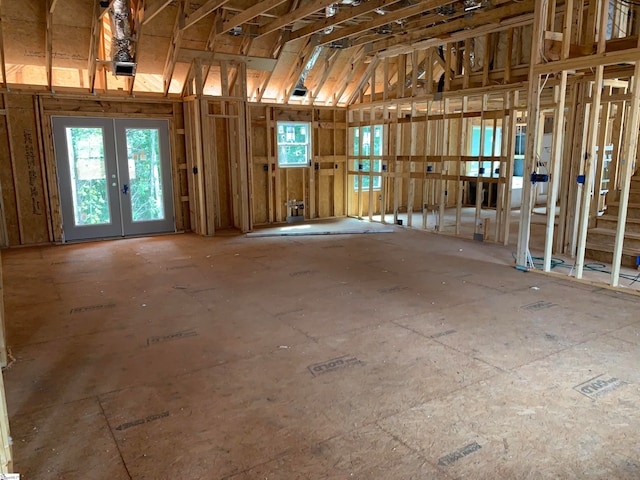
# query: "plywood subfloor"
{"type": "Point", "coordinates": [385, 356]}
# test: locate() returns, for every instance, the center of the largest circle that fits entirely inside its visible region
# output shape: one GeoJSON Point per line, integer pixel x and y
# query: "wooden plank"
{"type": "Point", "coordinates": [244, 160]}
{"type": "Point", "coordinates": [4, 357]}
{"type": "Point", "coordinates": [341, 17]}
{"type": "Point", "coordinates": [587, 188]}
{"type": "Point", "coordinates": [204, 10]}
{"type": "Point", "coordinates": [174, 46]}
{"type": "Point", "coordinates": [153, 9]}
{"type": "Point", "coordinates": [533, 109]}
{"type": "Point", "coordinates": [445, 149]}
{"type": "Point", "coordinates": [630, 151]}
{"type": "Point", "coordinates": [47, 195]}
{"type": "Point", "coordinates": [511, 102]}
{"type": "Point", "coordinates": [555, 168]}
{"type": "Point", "coordinates": [294, 16]}
{"type": "Point", "coordinates": [603, 134]}
{"type": "Point", "coordinates": [479, 23]}
{"type": "Point", "coordinates": [594, 115]}
{"type": "Point", "coordinates": [6, 455]}
{"type": "Point", "coordinates": [249, 14]}
{"type": "Point", "coordinates": [380, 20]}
{"type": "Point", "coordinates": [187, 55]}
{"type": "Point", "coordinates": [96, 30]}
{"type": "Point", "coordinates": [48, 34]}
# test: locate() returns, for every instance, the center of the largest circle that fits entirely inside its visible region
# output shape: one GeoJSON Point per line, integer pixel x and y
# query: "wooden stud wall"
{"type": "Point", "coordinates": [321, 185]}
{"type": "Point", "coordinates": [427, 145]}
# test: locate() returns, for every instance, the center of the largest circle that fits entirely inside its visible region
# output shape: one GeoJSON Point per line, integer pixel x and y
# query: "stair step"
{"type": "Point", "coordinates": [632, 212]}
{"type": "Point", "coordinates": [610, 222]}
{"type": "Point", "coordinates": [605, 236]}
{"type": "Point", "coordinates": [604, 253]}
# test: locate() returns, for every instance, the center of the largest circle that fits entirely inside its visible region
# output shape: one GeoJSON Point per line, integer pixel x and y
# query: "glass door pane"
{"type": "Point", "coordinates": [145, 175]}
{"type": "Point", "coordinates": [87, 177]}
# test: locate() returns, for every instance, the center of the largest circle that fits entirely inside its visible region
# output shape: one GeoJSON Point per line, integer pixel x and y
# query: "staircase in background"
{"type": "Point", "coordinates": [601, 239]}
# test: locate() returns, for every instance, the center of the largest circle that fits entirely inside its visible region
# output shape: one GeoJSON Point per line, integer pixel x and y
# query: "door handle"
{"type": "Point", "coordinates": [125, 189]}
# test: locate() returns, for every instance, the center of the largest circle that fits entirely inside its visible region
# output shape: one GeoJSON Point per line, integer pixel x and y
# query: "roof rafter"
{"type": "Point", "coordinates": [48, 35]}
{"type": "Point", "coordinates": [248, 14]}
{"type": "Point", "coordinates": [340, 17]}
{"type": "Point", "coordinates": [138, 17]}
{"type": "Point", "coordinates": [294, 16]}
{"type": "Point", "coordinates": [297, 69]}
{"type": "Point", "coordinates": [174, 47]}
{"type": "Point", "coordinates": [96, 30]}
{"type": "Point", "coordinates": [3, 63]}
{"type": "Point", "coordinates": [484, 21]}
{"type": "Point", "coordinates": [329, 64]}
{"type": "Point", "coordinates": [203, 11]}
{"type": "Point", "coordinates": [399, 14]}
{"type": "Point", "coordinates": [364, 79]}
{"type": "Point", "coordinates": [154, 9]}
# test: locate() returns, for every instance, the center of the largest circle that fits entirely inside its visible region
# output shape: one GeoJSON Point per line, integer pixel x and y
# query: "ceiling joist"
{"type": "Point", "coordinates": [202, 12]}
{"type": "Point", "coordinates": [341, 17]}
{"type": "Point", "coordinates": [154, 9]}
{"type": "Point", "coordinates": [380, 20]}
{"type": "Point", "coordinates": [294, 16]}
{"type": "Point", "coordinates": [249, 14]}
{"type": "Point", "coordinates": [489, 20]}
{"type": "Point", "coordinates": [174, 47]}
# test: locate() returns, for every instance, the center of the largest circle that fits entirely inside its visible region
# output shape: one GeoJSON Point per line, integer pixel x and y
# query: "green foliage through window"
{"type": "Point", "coordinates": [143, 153]}
{"type": "Point", "coordinates": [88, 177]}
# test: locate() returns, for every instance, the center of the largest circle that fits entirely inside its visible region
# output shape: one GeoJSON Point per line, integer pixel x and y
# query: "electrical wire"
{"type": "Point", "coordinates": [538, 262]}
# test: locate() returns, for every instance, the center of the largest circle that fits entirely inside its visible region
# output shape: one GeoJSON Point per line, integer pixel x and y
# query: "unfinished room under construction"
{"type": "Point", "coordinates": [319, 239]}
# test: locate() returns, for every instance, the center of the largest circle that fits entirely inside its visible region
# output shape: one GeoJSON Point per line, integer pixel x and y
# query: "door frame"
{"type": "Point", "coordinates": [113, 148]}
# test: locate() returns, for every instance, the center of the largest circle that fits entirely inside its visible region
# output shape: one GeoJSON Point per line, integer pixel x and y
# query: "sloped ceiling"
{"type": "Point", "coordinates": [51, 43]}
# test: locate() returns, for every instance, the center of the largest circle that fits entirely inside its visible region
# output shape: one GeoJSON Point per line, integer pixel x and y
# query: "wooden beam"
{"type": "Point", "coordinates": [380, 20]}
{"type": "Point", "coordinates": [249, 14]}
{"type": "Point", "coordinates": [363, 80]}
{"type": "Point", "coordinates": [187, 55]}
{"type": "Point", "coordinates": [460, 29]}
{"type": "Point", "coordinates": [554, 170]}
{"type": "Point", "coordinates": [344, 14]}
{"type": "Point", "coordinates": [138, 17]}
{"type": "Point", "coordinates": [590, 61]}
{"type": "Point", "coordinates": [294, 16]}
{"type": "Point", "coordinates": [628, 155]}
{"type": "Point", "coordinates": [594, 115]}
{"type": "Point", "coordinates": [49, 42]}
{"type": "Point", "coordinates": [174, 47]}
{"type": "Point", "coordinates": [202, 12]}
{"type": "Point", "coordinates": [154, 9]}
{"type": "Point", "coordinates": [96, 30]}
{"type": "Point", "coordinates": [533, 109]}
{"type": "Point", "coordinates": [3, 63]}
{"type": "Point", "coordinates": [329, 63]}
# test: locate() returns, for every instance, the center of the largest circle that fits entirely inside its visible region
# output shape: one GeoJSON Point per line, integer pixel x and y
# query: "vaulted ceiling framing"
{"type": "Point", "coordinates": [339, 49]}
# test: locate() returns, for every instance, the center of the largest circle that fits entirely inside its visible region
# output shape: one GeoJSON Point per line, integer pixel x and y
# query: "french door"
{"type": "Point", "coordinates": [114, 177]}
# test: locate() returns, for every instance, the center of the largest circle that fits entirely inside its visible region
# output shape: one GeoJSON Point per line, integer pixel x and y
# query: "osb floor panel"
{"type": "Point", "coordinates": [402, 355]}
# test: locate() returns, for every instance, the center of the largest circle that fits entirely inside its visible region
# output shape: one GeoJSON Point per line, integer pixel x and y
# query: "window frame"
{"type": "Point", "coordinates": [308, 144]}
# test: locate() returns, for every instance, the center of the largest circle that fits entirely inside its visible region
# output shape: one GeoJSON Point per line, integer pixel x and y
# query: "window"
{"type": "Point", "coordinates": [294, 144]}
{"type": "Point", "coordinates": [473, 167]}
{"type": "Point", "coordinates": [364, 164]}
